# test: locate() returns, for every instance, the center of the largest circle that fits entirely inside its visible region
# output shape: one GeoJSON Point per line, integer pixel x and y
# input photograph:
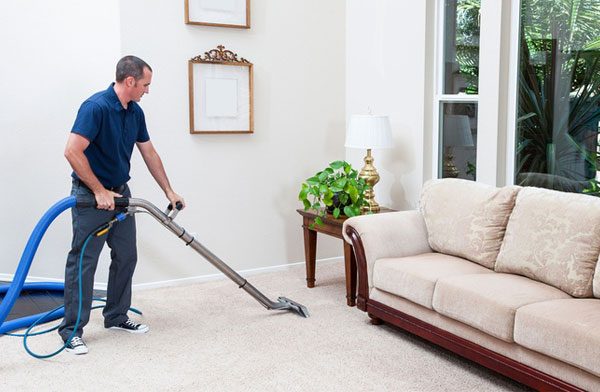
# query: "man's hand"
{"type": "Point", "coordinates": [106, 199]}
{"type": "Point", "coordinates": [174, 198]}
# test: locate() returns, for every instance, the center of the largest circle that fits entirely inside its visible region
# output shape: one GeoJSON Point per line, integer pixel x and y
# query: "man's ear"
{"type": "Point", "coordinates": [130, 81]}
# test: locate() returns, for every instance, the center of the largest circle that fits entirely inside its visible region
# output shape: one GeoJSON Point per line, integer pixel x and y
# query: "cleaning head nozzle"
{"type": "Point", "coordinates": [292, 305]}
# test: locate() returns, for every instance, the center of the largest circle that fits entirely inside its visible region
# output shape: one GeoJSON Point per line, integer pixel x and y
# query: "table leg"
{"type": "Point", "coordinates": [350, 263]}
{"type": "Point", "coordinates": [310, 253]}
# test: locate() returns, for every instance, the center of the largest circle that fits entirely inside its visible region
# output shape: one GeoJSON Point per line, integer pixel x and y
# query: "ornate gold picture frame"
{"type": "Point", "coordinates": [221, 96]}
{"type": "Point", "coordinates": [220, 13]}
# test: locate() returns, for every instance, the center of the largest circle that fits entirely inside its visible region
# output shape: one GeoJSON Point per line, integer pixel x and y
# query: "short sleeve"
{"type": "Point", "coordinates": [88, 121]}
{"type": "Point", "coordinates": [142, 136]}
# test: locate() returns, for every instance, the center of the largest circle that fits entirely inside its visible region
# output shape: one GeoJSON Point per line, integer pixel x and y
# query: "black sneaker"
{"type": "Point", "coordinates": [131, 327]}
{"type": "Point", "coordinates": [76, 346]}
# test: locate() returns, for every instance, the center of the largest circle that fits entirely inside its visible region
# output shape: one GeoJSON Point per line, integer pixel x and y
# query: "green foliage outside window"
{"type": "Point", "coordinates": [467, 42]}
{"type": "Point", "coordinates": [559, 95]}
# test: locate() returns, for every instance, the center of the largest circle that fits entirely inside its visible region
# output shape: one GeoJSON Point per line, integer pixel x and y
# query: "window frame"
{"type": "Point", "coordinates": [513, 69]}
{"type": "Point", "coordinates": [438, 97]}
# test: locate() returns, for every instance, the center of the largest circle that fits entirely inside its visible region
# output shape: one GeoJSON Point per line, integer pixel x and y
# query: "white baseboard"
{"type": "Point", "coordinates": [183, 281]}
{"type": "Point", "coordinates": [206, 278]}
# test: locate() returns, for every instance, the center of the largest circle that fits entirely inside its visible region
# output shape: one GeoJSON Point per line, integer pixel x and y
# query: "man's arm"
{"type": "Point", "coordinates": [76, 145]}
{"type": "Point", "coordinates": [156, 168]}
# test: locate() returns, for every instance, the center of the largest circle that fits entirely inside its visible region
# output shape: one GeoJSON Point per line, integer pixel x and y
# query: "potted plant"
{"type": "Point", "coordinates": [337, 190]}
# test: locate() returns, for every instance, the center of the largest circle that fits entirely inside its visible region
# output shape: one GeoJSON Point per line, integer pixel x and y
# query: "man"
{"type": "Point", "coordinates": [99, 149]}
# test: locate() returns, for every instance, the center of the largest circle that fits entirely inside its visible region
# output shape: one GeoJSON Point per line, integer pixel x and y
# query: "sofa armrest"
{"type": "Point", "coordinates": [394, 234]}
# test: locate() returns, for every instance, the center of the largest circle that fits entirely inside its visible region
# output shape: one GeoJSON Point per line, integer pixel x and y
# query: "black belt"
{"type": "Point", "coordinates": [116, 189]}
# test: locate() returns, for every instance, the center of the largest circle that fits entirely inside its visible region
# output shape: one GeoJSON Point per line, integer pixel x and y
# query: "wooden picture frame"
{"type": "Point", "coordinates": [219, 13]}
{"type": "Point", "coordinates": [221, 93]}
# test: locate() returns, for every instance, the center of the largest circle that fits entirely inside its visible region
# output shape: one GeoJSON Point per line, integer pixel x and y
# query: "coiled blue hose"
{"type": "Point", "coordinates": [32, 245]}
{"type": "Point", "coordinates": [18, 283]}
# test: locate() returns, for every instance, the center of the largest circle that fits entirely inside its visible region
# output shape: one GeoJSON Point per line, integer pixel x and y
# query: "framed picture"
{"type": "Point", "coordinates": [220, 93]}
{"type": "Point", "coordinates": [222, 13]}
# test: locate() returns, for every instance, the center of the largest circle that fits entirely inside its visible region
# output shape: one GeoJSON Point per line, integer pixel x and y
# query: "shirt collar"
{"type": "Point", "coordinates": [114, 99]}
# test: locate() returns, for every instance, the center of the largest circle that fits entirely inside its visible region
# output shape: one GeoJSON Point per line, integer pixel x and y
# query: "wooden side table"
{"type": "Point", "coordinates": [332, 227]}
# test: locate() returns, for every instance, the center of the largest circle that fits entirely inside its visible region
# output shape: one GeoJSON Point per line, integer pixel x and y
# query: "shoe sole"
{"type": "Point", "coordinates": [77, 351]}
{"type": "Point", "coordinates": [130, 330]}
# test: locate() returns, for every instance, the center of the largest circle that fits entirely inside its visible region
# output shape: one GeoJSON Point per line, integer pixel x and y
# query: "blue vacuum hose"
{"type": "Point", "coordinates": [32, 245]}
{"type": "Point", "coordinates": [24, 322]}
{"type": "Point", "coordinates": [18, 283]}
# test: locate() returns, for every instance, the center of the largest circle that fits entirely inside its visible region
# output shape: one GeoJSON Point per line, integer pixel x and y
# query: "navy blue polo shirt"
{"type": "Point", "coordinates": [112, 131]}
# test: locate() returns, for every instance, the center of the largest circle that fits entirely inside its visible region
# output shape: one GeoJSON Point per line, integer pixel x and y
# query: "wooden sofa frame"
{"type": "Point", "coordinates": [379, 312]}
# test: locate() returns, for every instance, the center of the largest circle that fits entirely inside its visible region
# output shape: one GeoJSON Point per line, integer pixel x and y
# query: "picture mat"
{"type": "Point", "coordinates": [221, 97]}
{"type": "Point", "coordinates": [218, 5]}
{"type": "Point", "coordinates": [240, 73]}
{"type": "Point", "coordinates": [237, 16]}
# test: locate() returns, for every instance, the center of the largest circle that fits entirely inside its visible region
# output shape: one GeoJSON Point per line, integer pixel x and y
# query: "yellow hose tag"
{"type": "Point", "coordinates": [102, 232]}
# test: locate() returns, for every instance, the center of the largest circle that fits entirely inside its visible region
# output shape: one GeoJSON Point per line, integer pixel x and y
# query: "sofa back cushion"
{"type": "Point", "coordinates": [553, 237]}
{"type": "Point", "coordinates": [466, 218]}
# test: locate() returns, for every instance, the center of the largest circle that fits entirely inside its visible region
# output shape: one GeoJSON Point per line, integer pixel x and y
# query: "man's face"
{"type": "Point", "coordinates": [141, 86]}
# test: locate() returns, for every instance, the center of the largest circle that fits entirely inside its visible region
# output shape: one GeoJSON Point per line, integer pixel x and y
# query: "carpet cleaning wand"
{"type": "Point", "coordinates": [166, 219]}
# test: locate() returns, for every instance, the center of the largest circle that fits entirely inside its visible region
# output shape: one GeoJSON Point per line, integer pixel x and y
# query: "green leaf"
{"type": "Point", "coordinates": [311, 226]}
{"type": "Point", "coordinates": [336, 213]}
{"type": "Point", "coordinates": [328, 198]}
{"type": "Point", "coordinates": [306, 204]}
{"type": "Point", "coordinates": [348, 211]}
{"type": "Point", "coordinates": [347, 169]}
{"type": "Point", "coordinates": [303, 192]}
{"type": "Point", "coordinates": [318, 221]}
{"type": "Point", "coordinates": [353, 194]}
{"type": "Point", "coordinates": [336, 164]}
{"type": "Point", "coordinates": [343, 198]}
{"type": "Point", "coordinates": [316, 206]}
{"type": "Point", "coordinates": [329, 170]}
{"type": "Point", "coordinates": [323, 188]}
{"type": "Point", "coordinates": [323, 176]}
{"type": "Point", "coordinates": [312, 181]}
{"type": "Point", "coordinates": [335, 188]}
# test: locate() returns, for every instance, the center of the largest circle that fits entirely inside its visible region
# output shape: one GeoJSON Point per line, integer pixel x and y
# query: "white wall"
{"type": "Point", "coordinates": [241, 190]}
{"type": "Point", "coordinates": [54, 54]}
{"type": "Point", "coordinates": [390, 68]}
{"type": "Point", "coordinates": [385, 71]}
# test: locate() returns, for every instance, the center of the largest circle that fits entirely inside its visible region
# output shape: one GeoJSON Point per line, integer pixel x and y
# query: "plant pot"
{"type": "Point", "coordinates": [338, 204]}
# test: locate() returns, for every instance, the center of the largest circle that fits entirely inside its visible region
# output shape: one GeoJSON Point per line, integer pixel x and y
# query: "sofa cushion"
{"type": "Point", "coordinates": [466, 218]}
{"type": "Point", "coordinates": [596, 281]}
{"type": "Point", "coordinates": [488, 302]}
{"type": "Point", "coordinates": [565, 329]}
{"type": "Point", "coordinates": [553, 237]}
{"type": "Point", "coordinates": [414, 277]}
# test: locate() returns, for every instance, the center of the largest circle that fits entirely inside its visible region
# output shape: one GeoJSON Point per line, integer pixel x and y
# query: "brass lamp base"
{"type": "Point", "coordinates": [449, 169]}
{"type": "Point", "coordinates": [371, 177]}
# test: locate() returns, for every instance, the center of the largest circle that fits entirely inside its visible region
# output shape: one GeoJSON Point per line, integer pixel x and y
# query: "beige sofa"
{"type": "Point", "coordinates": [506, 277]}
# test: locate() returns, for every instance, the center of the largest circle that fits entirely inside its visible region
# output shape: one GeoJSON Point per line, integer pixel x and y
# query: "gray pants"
{"type": "Point", "coordinates": [121, 239]}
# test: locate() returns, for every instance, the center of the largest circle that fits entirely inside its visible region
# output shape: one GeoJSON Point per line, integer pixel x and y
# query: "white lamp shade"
{"type": "Point", "coordinates": [457, 131]}
{"type": "Point", "coordinates": [369, 132]}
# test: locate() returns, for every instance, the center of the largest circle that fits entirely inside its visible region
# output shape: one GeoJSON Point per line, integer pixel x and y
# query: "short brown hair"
{"type": "Point", "coordinates": [131, 66]}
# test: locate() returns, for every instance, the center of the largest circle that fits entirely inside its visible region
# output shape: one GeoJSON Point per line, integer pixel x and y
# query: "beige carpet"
{"type": "Point", "coordinates": [214, 337]}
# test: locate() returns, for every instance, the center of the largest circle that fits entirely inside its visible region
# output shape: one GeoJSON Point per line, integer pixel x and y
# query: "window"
{"type": "Point", "coordinates": [558, 95]}
{"type": "Point", "coordinates": [456, 97]}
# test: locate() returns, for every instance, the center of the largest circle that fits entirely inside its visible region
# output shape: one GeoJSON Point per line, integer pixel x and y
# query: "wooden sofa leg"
{"type": "Point", "coordinates": [375, 320]}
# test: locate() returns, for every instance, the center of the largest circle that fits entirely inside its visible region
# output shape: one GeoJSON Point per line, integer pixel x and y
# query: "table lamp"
{"type": "Point", "coordinates": [457, 133]}
{"type": "Point", "coordinates": [369, 132]}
